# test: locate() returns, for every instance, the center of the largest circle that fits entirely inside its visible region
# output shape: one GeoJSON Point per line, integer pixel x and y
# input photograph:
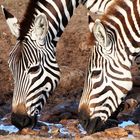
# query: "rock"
{"type": "Point", "coordinates": [136, 80]}
{"type": "Point", "coordinates": [93, 137]}
{"type": "Point", "coordinates": [67, 110]}
{"type": "Point", "coordinates": [71, 125]}
{"type": "Point", "coordinates": [134, 70]}
{"type": "Point", "coordinates": [54, 131]}
{"type": "Point", "coordinates": [97, 135]}
{"type": "Point", "coordinates": [66, 115]}
{"type": "Point", "coordinates": [45, 128]}
{"type": "Point", "coordinates": [129, 107]}
{"type": "Point", "coordinates": [133, 129]}
{"type": "Point", "coordinates": [70, 122]}
{"type": "Point", "coordinates": [134, 93]}
{"type": "Point", "coordinates": [44, 131]}
{"type": "Point", "coordinates": [7, 119]}
{"type": "Point", "coordinates": [28, 131]}
{"type": "Point", "coordinates": [2, 132]}
{"type": "Point", "coordinates": [77, 137]}
{"type": "Point", "coordinates": [3, 110]}
{"type": "Point", "coordinates": [116, 132]}
{"type": "Point", "coordinates": [136, 133]}
{"type": "Point", "coordinates": [22, 137]}
{"type": "Point", "coordinates": [136, 115]}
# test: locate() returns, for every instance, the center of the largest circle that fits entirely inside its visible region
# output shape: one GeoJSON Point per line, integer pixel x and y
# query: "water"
{"type": "Point", "coordinates": [81, 129]}
{"type": "Point", "coordinates": [9, 128]}
{"type": "Point", "coordinates": [63, 131]}
{"type": "Point", "coordinates": [126, 123]}
{"type": "Point", "coordinates": [51, 124]}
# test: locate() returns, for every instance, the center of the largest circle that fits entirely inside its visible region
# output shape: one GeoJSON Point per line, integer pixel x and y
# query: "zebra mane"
{"type": "Point", "coordinates": [112, 9]}
{"type": "Point", "coordinates": [27, 19]}
{"type": "Point", "coordinates": [25, 25]}
{"type": "Point", "coordinates": [18, 52]}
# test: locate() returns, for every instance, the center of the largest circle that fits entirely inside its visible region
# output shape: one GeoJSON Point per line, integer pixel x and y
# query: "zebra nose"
{"type": "Point", "coordinates": [92, 125]}
{"type": "Point", "coordinates": [23, 121]}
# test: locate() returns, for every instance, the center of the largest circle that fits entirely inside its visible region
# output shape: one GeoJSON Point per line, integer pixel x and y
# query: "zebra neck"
{"type": "Point", "coordinates": [96, 6]}
{"type": "Point", "coordinates": [123, 18]}
{"type": "Point", "coordinates": [92, 5]}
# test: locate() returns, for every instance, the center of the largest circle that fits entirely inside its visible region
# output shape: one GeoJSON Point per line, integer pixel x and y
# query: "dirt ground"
{"type": "Point", "coordinates": [73, 51]}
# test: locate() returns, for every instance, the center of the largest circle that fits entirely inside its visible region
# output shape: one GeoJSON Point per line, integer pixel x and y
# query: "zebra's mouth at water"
{"type": "Point", "coordinates": [23, 121]}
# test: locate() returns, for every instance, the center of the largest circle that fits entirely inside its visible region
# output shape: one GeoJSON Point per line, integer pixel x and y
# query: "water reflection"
{"type": "Point", "coordinates": [126, 123]}
{"type": "Point", "coordinates": [9, 128]}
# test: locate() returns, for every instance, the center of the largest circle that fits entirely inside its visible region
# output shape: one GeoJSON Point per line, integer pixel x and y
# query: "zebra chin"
{"type": "Point", "coordinates": [23, 121]}
{"type": "Point", "coordinates": [90, 125]}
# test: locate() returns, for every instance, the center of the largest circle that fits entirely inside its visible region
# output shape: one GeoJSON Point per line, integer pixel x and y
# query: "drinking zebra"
{"type": "Point", "coordinates": [108, 79]}
{"type": "Point", "coordinates": [33, 61]}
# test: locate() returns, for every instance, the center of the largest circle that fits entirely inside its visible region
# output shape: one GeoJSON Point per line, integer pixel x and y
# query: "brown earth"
{"type": "Point", "coordinates": [73, 51]}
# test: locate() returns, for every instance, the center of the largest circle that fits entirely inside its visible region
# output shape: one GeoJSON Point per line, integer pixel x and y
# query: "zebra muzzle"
{"type": "Point", "coordinates": [23, 121]}
{"type": "Point", "coordinates": [92, 125]}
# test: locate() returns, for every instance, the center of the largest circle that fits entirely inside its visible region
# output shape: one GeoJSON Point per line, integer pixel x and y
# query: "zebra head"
{"type": "Point", "coordinates": [34, 69]}
{"type": "Point", "coordinates": [107, 81]}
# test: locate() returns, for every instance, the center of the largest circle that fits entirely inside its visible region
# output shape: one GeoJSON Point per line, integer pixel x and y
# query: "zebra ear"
{"type": "Point", "coordinates": [40, 28]}
{"type": "Point", "coordinates": [100, 32]}
{"type": "Point", "coordinates": [12, 22]}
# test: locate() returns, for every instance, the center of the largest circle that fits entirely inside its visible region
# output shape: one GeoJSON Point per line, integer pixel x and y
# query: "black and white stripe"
{"type": "Point", "coordinates": [33, 62]}
{"type": "Point", "coordinates": [108, 79]}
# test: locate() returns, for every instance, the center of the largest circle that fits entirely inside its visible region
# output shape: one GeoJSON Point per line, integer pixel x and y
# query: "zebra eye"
{"type": "Point", "coordinates": [34, 69]}
{"type": "Point", "coordinates": [95, 73]}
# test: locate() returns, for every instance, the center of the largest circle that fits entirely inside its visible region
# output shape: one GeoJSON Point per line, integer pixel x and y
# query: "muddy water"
{"type": "Point", "coordinates": [8, 128]}
{"type": "Point", "coordinates": [12, 128]}
{"type": "Point", "coordinates": [51, 129]}
{"type": "Point", "coordinates": [126, 123]}
{"type": "Point", "coordinates": [64, 130]}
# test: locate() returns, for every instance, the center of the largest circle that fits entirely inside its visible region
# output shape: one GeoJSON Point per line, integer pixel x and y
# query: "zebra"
{"type": "Point", "coordinates": [116, 43]}
{"type": "Point", "coordinates": [32, 61]}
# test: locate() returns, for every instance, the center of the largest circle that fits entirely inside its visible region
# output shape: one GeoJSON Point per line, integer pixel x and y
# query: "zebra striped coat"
{"type": "Point", "coordinates": [33, 60]}
{"type": "Point", "coordinates": [108, 79]}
